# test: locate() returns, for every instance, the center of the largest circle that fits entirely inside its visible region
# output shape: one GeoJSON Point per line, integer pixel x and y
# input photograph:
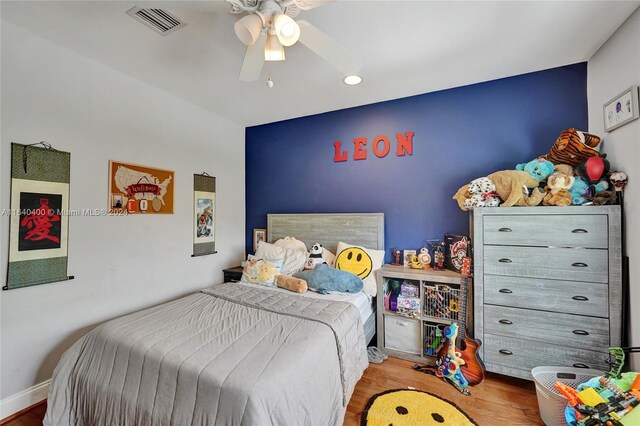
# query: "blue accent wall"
{"type": "Point", "coordinates": [459, 134]}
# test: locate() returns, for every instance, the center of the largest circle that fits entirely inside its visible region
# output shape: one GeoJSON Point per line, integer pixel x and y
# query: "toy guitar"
{"type": "Point", "coordinates": [449, 364]}
{"type": "Point", "coordinates": [473, 368]}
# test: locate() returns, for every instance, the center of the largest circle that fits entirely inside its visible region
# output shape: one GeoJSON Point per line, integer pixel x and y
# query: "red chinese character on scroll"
{"type": "Point", "coordinates": [40, 222]}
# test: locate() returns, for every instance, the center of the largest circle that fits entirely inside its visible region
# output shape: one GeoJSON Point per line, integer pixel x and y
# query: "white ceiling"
{"type": "Point", "coordinates": [406, 47]}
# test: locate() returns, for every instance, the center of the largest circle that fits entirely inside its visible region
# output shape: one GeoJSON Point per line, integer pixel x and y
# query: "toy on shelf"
{"type": "Point", "coordinates": [482, 193]}
{"type": "Point", "coordinates": [457, 247]}
{"type": "Point", "coordinates": [415, 263]}
{"type": "Point", "coordinates": [396, 256]}
{"type": "Point", "coordinates": [425, 258]}
{"type": "Point", "coordinates": [439, 301]}
{"type": "Point", "coordinates": [618, 180]}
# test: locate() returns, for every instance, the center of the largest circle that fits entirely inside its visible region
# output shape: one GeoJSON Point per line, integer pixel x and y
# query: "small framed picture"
{"type": "Point", "coordinates": [117, 201]}
{"type": "Point", "coordinates": [622, 109]}
{"type": "Point", "coordinates": [258, 235]}
{"type": "Point", "coordinates": [406, 255]}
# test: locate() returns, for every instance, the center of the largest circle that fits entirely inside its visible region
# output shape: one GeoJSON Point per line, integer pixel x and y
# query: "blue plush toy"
{"type": "Point", "coordinates": [581, 189]}
{"type": "Point", "coordinates": [324, 279]}
{"type": "Point", "coordinates": [539, 168]}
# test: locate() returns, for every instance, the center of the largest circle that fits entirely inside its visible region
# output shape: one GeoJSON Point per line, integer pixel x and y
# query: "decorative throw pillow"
{"type": "Point", "coordinates": [260, 271]}
{"type": "Point", "coordinates": [329, 257]}
{"type": "Point", "coordinates": [362, 262]}
{"type": "Point", "coordinates": [291, 243]}
{"type": "Point", "coordinates": [292, 260]}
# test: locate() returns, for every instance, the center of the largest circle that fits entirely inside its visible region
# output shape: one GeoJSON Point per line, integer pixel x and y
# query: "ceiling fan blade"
{"type": "Point", "coordinates": [310, 4]}
{"type": "Point", "coordinates": [328, 49]}
{"type": "Point", "coordinates": [253, 60]}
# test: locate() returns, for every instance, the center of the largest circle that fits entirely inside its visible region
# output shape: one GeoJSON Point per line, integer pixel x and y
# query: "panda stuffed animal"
{"type": "Point", "coordinates": [315, 256]}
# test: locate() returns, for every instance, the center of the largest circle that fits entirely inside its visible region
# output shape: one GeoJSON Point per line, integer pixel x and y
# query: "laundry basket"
{"type": "Point", "coordinates": [550, 402]}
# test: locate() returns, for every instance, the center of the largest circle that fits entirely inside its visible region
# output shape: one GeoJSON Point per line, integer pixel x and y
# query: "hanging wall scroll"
{"type": "Point", "coordinates": [139, 189]}
{"type": "Point", "coordinates": [39, 221]}
{"type": "Point", "coordinates": [204, 206]}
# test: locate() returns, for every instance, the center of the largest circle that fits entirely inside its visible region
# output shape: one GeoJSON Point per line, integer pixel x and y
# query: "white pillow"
{"type": "Point", "coordinates": [293, 260]}
{"type": "Point", "coordinates": [328, 257]}
{"type": "Point", "coordinates": [362, 262]}
{"type": "Point", "coordinates": [291, 243]}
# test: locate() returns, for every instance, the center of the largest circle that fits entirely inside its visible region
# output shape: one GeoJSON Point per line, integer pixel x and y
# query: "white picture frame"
{"type": "Point", "coordinates": [406, 257]}
{"type": "Point", "coordinates": [621, 109]}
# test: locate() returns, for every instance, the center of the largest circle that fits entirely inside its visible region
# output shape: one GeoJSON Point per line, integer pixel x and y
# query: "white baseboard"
{"type": "Point", "coordinates": [24, 399]}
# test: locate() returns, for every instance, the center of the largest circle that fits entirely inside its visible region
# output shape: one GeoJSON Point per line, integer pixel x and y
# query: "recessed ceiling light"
{"type": "Point", "coordinates": [352, 80]}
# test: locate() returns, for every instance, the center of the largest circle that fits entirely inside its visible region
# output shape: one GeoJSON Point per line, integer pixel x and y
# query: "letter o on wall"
{"type": "Point", "coordinates": [385, 148]}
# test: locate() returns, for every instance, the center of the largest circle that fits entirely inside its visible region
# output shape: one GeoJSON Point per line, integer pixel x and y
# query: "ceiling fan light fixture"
{"type": "Point", "coordinates": [248, 28]}
{"type": "Point", "coordinates": [352, 80]}
{"type": "Point", "coordinates": [273, 49]}
{"type": "Point", "coordinates": [287, 30]}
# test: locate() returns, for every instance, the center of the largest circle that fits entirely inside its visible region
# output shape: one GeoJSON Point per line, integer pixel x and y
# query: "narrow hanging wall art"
{"type": "Point", "coordinates": [39, 225]}
{"type": "Point", "coordinates": [204, 206]}
{"type": "Point", "coordinates": [137, 189]}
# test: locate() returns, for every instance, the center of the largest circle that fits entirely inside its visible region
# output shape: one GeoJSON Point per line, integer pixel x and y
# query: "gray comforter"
{"type": "Point", "coordinates": [229, 355]}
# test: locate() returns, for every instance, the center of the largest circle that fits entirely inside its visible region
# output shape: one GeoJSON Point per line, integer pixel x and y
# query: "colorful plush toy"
{"type": "Point", "coordinates": [539, 168]}
{"type": "Point", "coordinates": [572, 147]}
{"type": "Point", "coordinates": [324, 279]}
{"type": "Point", "coordinates": [603, 198]}
{"type": "Point", "coordinates": [483, 194]}
{"type": "Point", "coordinates": [559, 185]}
{"type": "Point", "coordinates": [315, 256]}
{"type": "Point", "coordinates": [511, 186]}
{"type": "Point", "coordinates": [581, 190]}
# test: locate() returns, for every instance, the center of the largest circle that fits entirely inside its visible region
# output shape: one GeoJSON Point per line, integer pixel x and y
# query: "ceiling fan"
{"type": "Point", "coordinates": [271, 25]}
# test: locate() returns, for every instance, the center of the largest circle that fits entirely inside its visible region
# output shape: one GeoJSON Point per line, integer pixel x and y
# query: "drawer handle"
{"type": "Point", "coordinates": [505, 352]}
{"type": "Point", "coordinates": [581, 332]}
{"type": "Point", "coordinates": [505, 260]}
{"type": "Point", "coordinates": [580, 365]}
{"type": "Point", "coordinates": [579, 265]}
{"type": "Point", "coordinates": [505, 321]}
{"type": "Point", "coordinates": [504, 230]}
{"type": "Point", "coordinates": [580, 298]}
{"type": "Point", "coordinates": [580, 231]}
{"type": "Point", "coordinates": [505, 290]}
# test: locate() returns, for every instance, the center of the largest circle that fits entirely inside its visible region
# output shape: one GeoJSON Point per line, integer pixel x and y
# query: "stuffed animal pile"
{"type": "Point", "coordinates": [572, 173]}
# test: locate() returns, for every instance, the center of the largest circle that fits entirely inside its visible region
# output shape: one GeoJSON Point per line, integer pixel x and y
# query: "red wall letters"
{"type": "Point", "coordinates": [380, 146]}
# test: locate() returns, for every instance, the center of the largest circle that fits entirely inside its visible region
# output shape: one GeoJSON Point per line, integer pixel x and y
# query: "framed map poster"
{"type": "Point", "coordinates": [39, 216]}
{"type": "Point", "coordinates": [204, 208]}
{"type": "Point", "coordinates": [135, 189]}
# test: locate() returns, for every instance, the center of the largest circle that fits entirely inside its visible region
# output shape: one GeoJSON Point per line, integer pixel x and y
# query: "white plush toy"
{"type": "Point", "coordinates": [315, 256]}
{"type": "Point", "coordinates": [483, 194]}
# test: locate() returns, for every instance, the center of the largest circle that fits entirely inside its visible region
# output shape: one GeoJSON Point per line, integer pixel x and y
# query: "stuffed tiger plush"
{"type": "Point", "coordinates": [572, 147]}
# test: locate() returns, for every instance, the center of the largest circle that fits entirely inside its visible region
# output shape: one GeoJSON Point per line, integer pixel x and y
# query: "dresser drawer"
{"type": "Point", "coordinates": [572, 297]}
{"type": "Point", "coordinates": [525, 355]}
{"type": "Point", "coordinates": [555, 263]}
{"type": "Point", "coordinates": [402, 334]}
{"type": "Point", "coordinates": [547, 230]}
{"type": "Point", "coordinates": [546, 327]}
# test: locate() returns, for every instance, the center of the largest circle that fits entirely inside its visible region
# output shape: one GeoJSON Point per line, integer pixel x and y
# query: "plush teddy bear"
{"type": "Point", "coordinates": [538, 168]}
{"type": "Point", "coordinates": [315, 256]}
{"type": "Point", "coordinates": [572, 147]}
{"type": "Point", "coordinates": [482, 194]}
{"type": "Point", "coordinates": [511, 186]}
{"type": "Point", "coordinates": [559, 185]}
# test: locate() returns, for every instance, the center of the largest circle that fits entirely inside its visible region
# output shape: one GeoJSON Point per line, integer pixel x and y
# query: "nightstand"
{"type": "Point", "coordinates": [232, 274]}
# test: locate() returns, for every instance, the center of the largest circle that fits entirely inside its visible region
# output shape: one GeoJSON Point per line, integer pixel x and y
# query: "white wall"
{"type": "Point", "coordinates": [614, 68]}
{"type": "Point", "coordinates": [120, 264]}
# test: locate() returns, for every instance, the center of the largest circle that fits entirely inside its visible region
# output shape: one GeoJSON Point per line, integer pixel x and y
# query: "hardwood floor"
{"type": "Point", "coordinates": [498, 400]}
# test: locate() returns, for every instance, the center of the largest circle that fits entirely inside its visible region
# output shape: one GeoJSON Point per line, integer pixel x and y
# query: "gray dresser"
{"type": "Point", "coordinates": [547, 286]}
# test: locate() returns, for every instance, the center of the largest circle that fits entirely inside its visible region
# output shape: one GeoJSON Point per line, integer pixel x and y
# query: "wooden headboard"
{"type": "Point", "coordinates": [363, 229]}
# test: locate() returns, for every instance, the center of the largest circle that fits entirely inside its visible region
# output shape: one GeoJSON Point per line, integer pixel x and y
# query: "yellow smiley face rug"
{"type": "Point", "coordinates": [407, 407]}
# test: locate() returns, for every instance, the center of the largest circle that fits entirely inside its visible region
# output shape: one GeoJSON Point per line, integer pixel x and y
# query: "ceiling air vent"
{"type": "Point", "coordinates": [158, 20]}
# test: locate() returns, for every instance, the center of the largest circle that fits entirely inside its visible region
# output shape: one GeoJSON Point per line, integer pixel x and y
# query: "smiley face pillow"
{"type": "Point", "coordinates": [362, 262]}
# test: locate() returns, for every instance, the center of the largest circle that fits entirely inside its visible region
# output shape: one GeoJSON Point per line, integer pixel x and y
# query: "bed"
{"type": "Point", "coordinates": [231, 354]}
